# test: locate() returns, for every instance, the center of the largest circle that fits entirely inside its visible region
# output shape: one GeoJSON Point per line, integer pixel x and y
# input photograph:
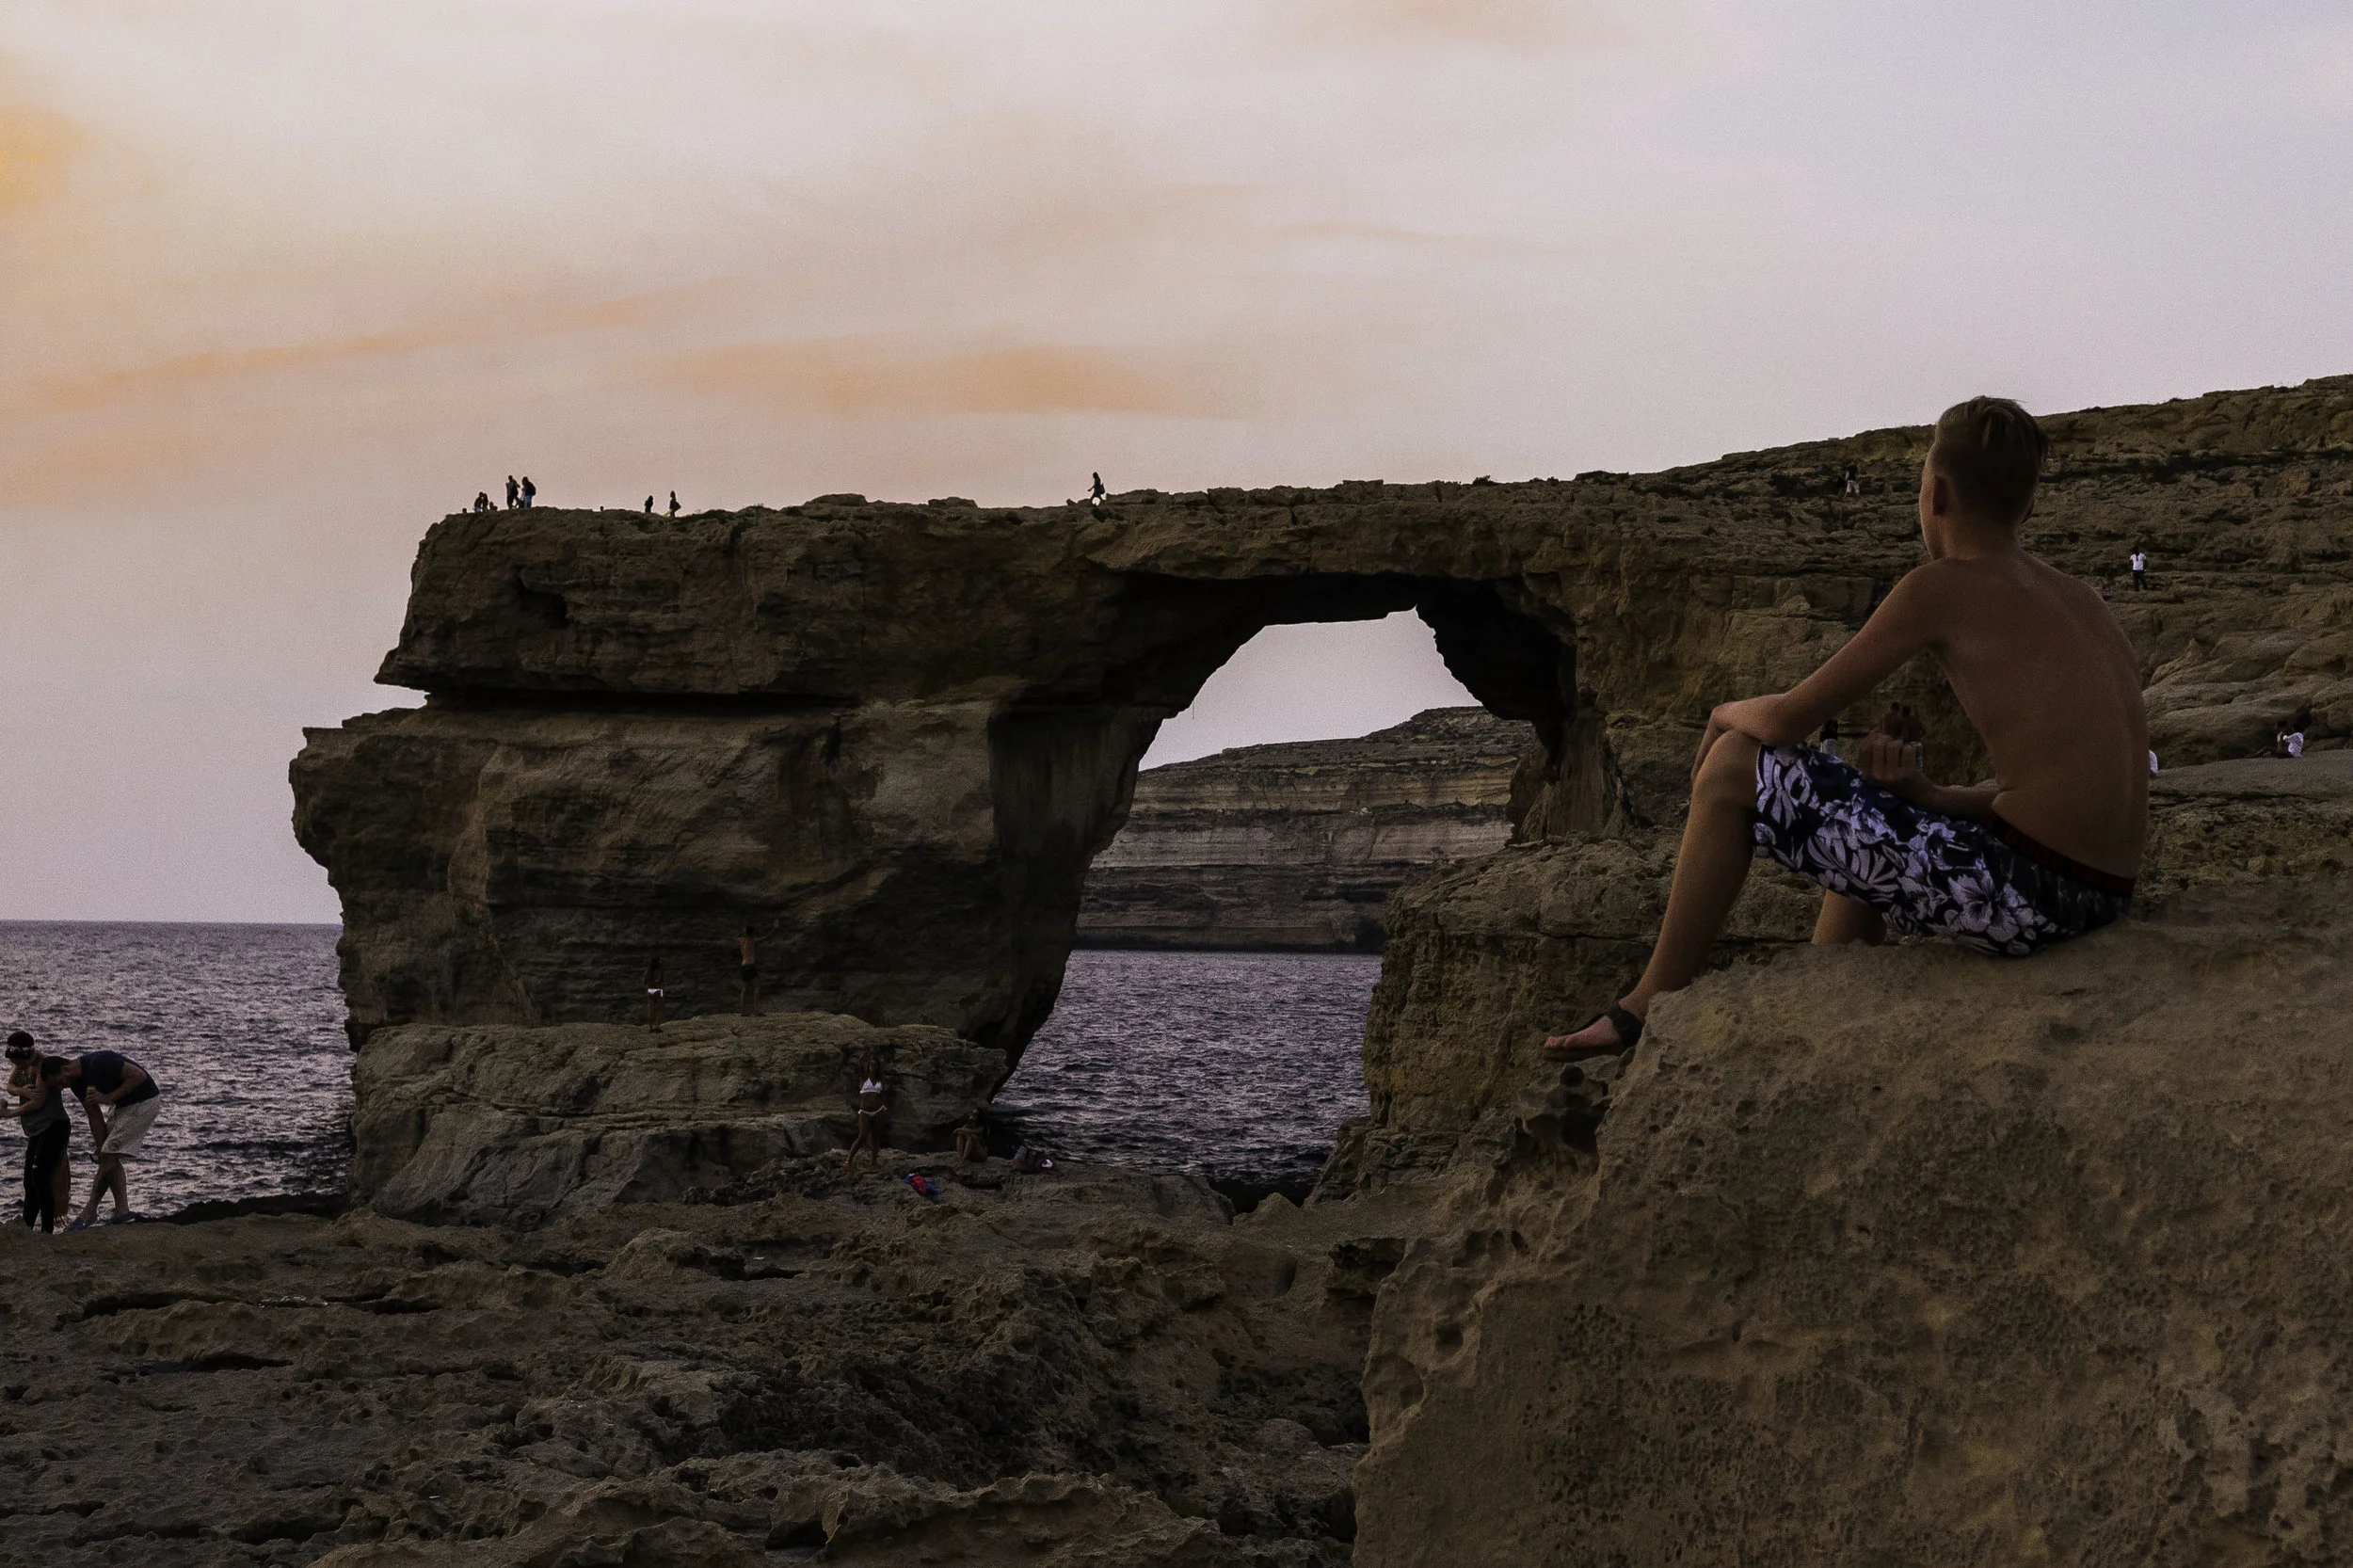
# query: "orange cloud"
{"type": "Point", "coordinates": [910, 373]}
{"type": "Point", "coordinates": [1526, 23]}
{"type": "Point", "coordinates": [35, 147]}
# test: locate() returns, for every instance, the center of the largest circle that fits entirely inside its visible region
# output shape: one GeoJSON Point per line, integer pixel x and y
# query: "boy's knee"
{"type": "Point", "coordinates": [1730, 771]}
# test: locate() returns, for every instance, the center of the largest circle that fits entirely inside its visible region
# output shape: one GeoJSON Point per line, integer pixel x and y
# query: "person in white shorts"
{"type": "Point", "coordinates": [110, 1083]}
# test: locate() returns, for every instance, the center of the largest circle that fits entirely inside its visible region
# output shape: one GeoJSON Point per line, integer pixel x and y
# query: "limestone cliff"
{"type": "Point", "coordinates": [899, 734]}
{"type": "Point", "coordinates": [1299, 845]}
{"type": "Point", "coordinates": [1910, 1255]}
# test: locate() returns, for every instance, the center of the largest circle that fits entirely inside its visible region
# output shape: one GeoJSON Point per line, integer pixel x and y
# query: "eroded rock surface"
{"type": "Point", "coordinates": [1486, 959]}
{"type": "Point", "coordinates": [505, 1124]}
{"type": "Point", "coordinates": [1085, 1367]}
{"type": "Point", "coordinates": [898, 734]}
{"type": "Point", "coordinates": [1911, 1256]}
{"type": "Point", "coordinates": [1299, 845]}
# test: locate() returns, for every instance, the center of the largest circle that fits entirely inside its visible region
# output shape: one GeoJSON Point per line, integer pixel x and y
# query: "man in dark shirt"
{"type": "Point", "coordinates": [109, 1081]}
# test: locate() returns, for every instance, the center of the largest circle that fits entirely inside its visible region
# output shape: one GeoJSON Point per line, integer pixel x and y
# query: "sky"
{"type": "Point", "coordinates": [282, 283]}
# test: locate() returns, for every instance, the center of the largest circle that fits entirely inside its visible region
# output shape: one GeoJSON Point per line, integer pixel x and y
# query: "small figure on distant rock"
{"type": "Point", "coordinates": [514, 494]}
{"type": "Point", "coordinates": [530, 490]}
{"type": "Point", "coordinates": [482, 500]}
{"type": "Point", "coordinates": [656, 997]}
{"type": "Point", "coordinates": [1855, 485]}
{"type": "Point", "coordinates": [747, 970]}
{"type": "Point", "coordinates": [2140, 568]}
{"type": "Point", "coordinates": [674, 502]}
{"type": "Point", "coordinates": [649, 506]}
{"type": "Point", "coordinates": [971, 1140]}
{"type": "Point", "coordinates": [2286, 741]}
{"type": "Point", "coordinates": [1094, 492]}
{"type": "Point", "coordinates": [873, 1106]}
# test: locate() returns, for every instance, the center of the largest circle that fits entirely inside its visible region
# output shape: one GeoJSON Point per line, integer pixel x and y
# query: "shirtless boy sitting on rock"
{"type": "Point", "coordinates": [2042, 671]}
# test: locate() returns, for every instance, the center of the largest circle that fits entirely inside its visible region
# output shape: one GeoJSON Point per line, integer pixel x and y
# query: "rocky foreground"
{"type": "Point", "coordinates": [1900, 1255]}
{"type": "Point", "coordinates": [1084, 1366]}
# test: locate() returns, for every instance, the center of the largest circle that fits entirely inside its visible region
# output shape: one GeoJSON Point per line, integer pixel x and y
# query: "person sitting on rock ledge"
{"type": "Point", "coordinates": [2040, 667]}
{"type": "Point", "coordinates": [972, 1142]}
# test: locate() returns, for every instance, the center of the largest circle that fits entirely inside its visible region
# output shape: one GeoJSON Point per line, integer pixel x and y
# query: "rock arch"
{"type": "Point", "coordinates": [897, 735]}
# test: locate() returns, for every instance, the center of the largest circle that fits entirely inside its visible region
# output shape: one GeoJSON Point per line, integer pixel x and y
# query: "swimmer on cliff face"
{"type": "Point", "coordinates": [2047, 852]}
{"type": "Point", "coordinates": [748, 968]}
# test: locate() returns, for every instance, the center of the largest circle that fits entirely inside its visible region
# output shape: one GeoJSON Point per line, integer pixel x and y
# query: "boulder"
{"type": "Point", "coordinates": [501, 1124]}
{"type": "Point", "coordinates": [1905, 1254]}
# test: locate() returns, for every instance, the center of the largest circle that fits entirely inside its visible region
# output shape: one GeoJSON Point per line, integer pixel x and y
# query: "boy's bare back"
{"type": "Point", "coordinates": [2043, 671]}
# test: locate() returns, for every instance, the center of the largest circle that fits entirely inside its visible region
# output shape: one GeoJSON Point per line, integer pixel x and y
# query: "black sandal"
{"type": "Point", "coordinates": [1629, 1029]}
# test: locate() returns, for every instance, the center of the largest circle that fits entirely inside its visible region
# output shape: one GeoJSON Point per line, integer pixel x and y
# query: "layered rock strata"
{"type": "Point", "coordinates": [1877, 1256]}
{"type": "Point", "coordinates": [897, 735]}
{"type": "Point", "coordinates": [1299, 845]}
{"type": "Point", "coordinates": [1091, 1369]}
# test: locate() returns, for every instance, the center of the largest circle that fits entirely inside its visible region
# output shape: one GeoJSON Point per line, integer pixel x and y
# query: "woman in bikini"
{"type": "Point", "coordinates": [872, 1107]}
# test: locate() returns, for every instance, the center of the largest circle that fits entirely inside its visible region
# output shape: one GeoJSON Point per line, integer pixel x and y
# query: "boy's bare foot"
{"type": "Point", "coordinates": [1616, 1030]}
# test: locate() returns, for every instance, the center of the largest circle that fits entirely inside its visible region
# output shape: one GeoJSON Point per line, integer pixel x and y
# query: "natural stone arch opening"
{"type": "Point", "coordinates": [1515, 655]}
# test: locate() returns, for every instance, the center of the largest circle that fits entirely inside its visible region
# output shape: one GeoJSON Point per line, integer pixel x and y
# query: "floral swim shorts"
{"type": "Point", "coordinates": [1985, 884]}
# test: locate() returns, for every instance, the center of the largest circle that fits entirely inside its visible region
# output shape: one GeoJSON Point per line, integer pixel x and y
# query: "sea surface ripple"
{"type": "Point", "coordinates": [241, 1026]}
{"type": "Point", "coordinates": [1237, 1065]}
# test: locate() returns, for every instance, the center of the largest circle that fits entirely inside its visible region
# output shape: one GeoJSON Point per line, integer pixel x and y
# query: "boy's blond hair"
{"type": "Point", "coordinates": [1992, 451]}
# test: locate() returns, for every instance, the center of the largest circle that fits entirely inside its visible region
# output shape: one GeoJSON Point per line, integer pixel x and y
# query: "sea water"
{"type": "Point", "coordinates": [1237, 1065]}
{"type": "Point", "coordinates": [240, 1027]}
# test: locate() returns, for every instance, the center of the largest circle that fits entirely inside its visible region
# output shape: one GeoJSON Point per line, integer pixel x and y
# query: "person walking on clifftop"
{"type": "Point", "coordinates": [1094, 492]}
{"type": "Point", "coordinates": [530, 490]}
{"type": "Point", "coordinates": [514, 494]}
{"type": "Point", "coordinates": [2047, 852]}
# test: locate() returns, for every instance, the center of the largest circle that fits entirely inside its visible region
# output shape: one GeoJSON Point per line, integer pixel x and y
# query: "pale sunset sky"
{"type": "Point", "coordinates": [282, 282]}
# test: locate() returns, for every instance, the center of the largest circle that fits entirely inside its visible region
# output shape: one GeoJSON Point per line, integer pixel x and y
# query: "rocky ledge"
{"type": "Point", "coordinates": [1487, 958]}
{"type": "Point", "coordinates": [513, 1125]}
{"type": "Point", "coordinates": [1299, 845]}
{"type": "Point", "coordinates": [1910, 1255]}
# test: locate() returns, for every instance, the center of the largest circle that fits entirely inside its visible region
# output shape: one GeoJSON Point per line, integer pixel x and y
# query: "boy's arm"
{"type": "Point", "coordinates": [1888, 763]}
{"type": "Point", "coordinates": [1907, 620]}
